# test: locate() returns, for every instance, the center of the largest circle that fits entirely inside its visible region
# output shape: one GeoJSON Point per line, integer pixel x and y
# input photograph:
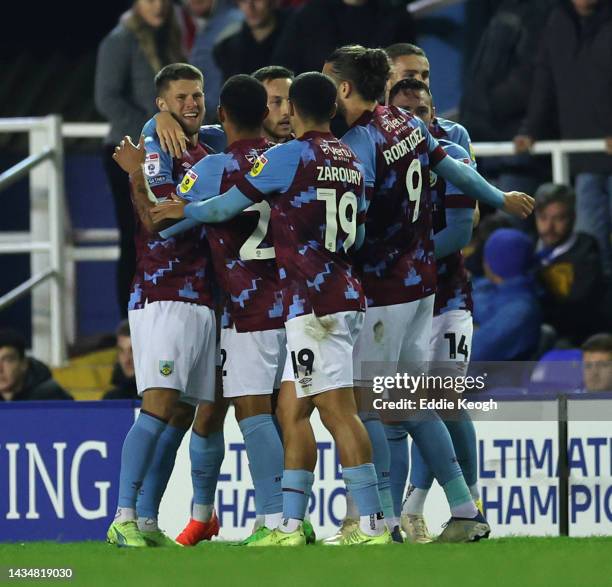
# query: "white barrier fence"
{"type": "Point", "coordinates": [55, 249]}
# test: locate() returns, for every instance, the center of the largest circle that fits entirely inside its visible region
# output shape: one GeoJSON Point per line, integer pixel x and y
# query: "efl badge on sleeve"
{"type": "Point", "coordinates": [259, 165]}
{"type": "Point", "coordinates": [152, 164]}
{"type": "Point", "coordinates": [472, 153]}
{"type": "Point", "coordinates": [190, 178]}
{"type": "Point", "coordinates": [166, 367]}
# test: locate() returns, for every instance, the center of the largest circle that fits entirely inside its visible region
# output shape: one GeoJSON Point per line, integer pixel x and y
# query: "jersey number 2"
{"type": "Point", "coordinates": [339, 211]}
{"type": "Point", "coordinates": [249, 251]}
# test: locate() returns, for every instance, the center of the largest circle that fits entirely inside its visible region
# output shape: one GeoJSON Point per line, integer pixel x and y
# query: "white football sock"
{"type": "Point", "coordinates": [202, 513]}
{"type": "Point", "coordinates": [260, 521]}
{"type": "Point", "coordinates": [464, 510]}
{"type": "Point", "coordinates": [147, 525]}
{"type": "Point", "coordinates": [351, 508]}
{"type": "Point", "coordinates": [392, 522]}
{"type": "Point", "coordinates": [289, 525]}
{"type": "Point", "coordinates": [272, 521]}
{"type": "Point", "coordinates": [414, 504]}
{"type": "Point", "coordinates": [474, 492]}
{"type": "Point", "coordinates": [373, 525]}
{"type": "Point", "coordinates": [125, 515]}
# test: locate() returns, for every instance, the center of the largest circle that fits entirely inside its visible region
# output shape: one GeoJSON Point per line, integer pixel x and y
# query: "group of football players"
{"type": "Point", "coordinates": [334, 261]}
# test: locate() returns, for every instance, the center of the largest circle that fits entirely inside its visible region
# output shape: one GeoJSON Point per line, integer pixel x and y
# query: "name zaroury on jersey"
{"type": "Point", "coordinates": [327, 173]}
{"type": "Point", "coordinates": [403, 147]}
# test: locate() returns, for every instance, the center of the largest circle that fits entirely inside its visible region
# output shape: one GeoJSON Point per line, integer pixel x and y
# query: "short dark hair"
{"type": "Point", "coordinates": [601, 342]}
{"type": "Point", "coordinates": [313, 95]}
{"type": "Point", "coordinates": [367, 69]}
{"type": "Point", "coordinates": [404, 49]}
{"type": "Point", "coordinates": [12, 338]}
{"type": "Point", "coordinates": [549, 193]}
{"type": "Point", "coordinates": [245, 100]}
{"type": "Point", "coordinates": [175, 72]}
{"type": "Point", "coordinates": [272, 72]}
{"type": "Point", "coordinates": [411, 84]}
{"type": "Point", "coordinates": [123, 328]}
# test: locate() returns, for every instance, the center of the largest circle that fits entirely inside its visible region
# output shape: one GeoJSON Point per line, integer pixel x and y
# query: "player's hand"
{"type": "Point", "coordinates": [609, 145]}
{"type": "Point", "coordinates": [523, 143]}
{"type": "Point", "coordinates": [171, 135]}
{"type": "Point", "coordinates": [128, 156]}
{"type": "Point", "coordinates": [518, 204]}
{"type": "Point", "coordinates": [170, 209]}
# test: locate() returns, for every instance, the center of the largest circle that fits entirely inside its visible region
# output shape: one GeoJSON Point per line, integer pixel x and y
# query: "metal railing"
{"type": "Point", "coordinates": [55, 249]}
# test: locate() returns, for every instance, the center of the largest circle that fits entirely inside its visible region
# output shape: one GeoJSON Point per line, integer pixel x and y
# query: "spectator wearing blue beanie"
{"type": "Point", "coordinates": [507, 315]}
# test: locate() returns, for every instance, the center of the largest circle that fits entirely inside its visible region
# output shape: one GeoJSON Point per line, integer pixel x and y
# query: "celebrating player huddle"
{"type": "Point", "coordinates": [324, 264]}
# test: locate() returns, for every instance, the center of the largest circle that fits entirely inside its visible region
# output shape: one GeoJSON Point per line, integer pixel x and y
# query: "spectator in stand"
{"type": "Point", "coordinates": [216, 18]}
{"type": "Point", "coordinates": [252, 46]}
{"type": "Point", "coordinates": [569, 267]}
{"type": "Point", "coordinates": [576, 44]}
{"type": "Point", "coordinates": [597, 362]}
{"type": "Point", "coordinates": [23, 378]}
{"type": "Point", "coordinates": [124, 376]}
{"type": "Point", "coordinates": [146, 38]}
{"type": "Point", "coordinates": [507, 316]}
{"type": "Point", "coordinates": [320, 26]}
{"type": "Point", "coordinates": [500, 76]}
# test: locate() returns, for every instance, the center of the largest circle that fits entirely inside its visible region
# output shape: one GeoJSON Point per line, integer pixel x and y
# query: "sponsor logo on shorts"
{"type": "Point", "coordinates": [305, 381]}
{"type": "Point", "coordinates": [258, 166]}
{"type": "Point", "coordinates": [166, 367]}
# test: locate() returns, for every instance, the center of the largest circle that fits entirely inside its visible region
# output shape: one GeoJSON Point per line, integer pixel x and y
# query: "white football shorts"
{"type": "Point", "coordinates": [451, 338]}
{"type": "Point", "coordinates": [174, 348]}
{"type": "Point", "coordinates": [320, 351]}
{"type": "Point", "coordinates": [392, 335]}
{"type": "Point", "coordinates": [252, 362]}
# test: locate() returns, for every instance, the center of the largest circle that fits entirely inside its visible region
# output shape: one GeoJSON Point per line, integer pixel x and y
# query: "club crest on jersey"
{"type": "Point", "coordinates": [151, 164]}
{"type": "Point", "coordinates": [190, 178]}
{"type": "Point", "coordinates": [258, 166]}
{"type": "Point", "coordinates": [166, 367]}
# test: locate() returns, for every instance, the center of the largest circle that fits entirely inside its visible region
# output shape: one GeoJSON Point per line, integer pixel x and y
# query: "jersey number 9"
{"type": "Point", "coordinates": [414, 191]}
{"type": "Point", "coordinates": [339, 212]}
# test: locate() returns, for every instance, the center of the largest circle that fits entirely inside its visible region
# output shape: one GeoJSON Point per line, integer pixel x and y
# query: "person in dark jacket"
{"type": "Point", "coordinates": [571, 91]}
{"type": "Point", "coordinates": [569, 267]}
{"type": "Point", "coordinates": [320, 26]}
{"type": "Point", "coordinates": [495, 99]}
{"type": "Point", "coordinates": [507, 316]}
{"type": "Point", "coordinates": [146, 38]}
{"type": "Point", "coordinates": [24, 378]}
{"type": "Point", "coordinates": [252, 46]}
{"type": "Point", "coordinates": [124, 375]}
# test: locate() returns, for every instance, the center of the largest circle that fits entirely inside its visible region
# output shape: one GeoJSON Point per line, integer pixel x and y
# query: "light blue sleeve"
{"type": "Point", "coordinates": [459, 154]}
{"type": "Point", "coordinates": [360, 142]}
{"type": "Point", "coordinates": [431, 141]}
{"type": "Point", "coordinates": [158, 164]}
{"type": "Point", "coordinates": [220, 208]}
{"type": "Point", "coordinates": [469, 182]}
{"type": "Point", "coordinates": [457, 234]}
{"type": "Point", "coordinates": [274, 170]}
{"type": "Point", "coordinates": [207, 184]}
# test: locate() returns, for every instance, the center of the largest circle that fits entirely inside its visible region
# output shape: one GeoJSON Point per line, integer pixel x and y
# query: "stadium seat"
{"type": "Point", "coordinates": [559, 370]}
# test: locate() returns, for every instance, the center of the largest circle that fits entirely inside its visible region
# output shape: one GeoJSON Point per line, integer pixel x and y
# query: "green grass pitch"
{"type": "Point", "coordinates": [516, 562]}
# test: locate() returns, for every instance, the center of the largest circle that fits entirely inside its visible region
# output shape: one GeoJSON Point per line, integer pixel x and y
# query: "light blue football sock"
{"type": "Point", "coordinates": [397, 438]}
{"type": "Point", "coordinates": [136, 456]}
{"type": "Point", "coordinates": [297, 487]}
{"type": "Point", "coordinates": [421, 476]}
{"type": "Point", "coordinates": [158, 474]}
{"type": "Point", "coordinates": [362, 483]}
{"type": "Point", "coordinates": [265, 453]}
{"type": "Point", "coordinates": [463, 435]}
{"type": "Point", "coordinates": [206, 453]}
{"type": "Point", "coordinates": [381, 458]}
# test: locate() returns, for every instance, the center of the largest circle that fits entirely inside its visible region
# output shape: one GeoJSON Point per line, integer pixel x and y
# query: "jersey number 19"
{"type": "Point", "coordinates": [344, 211]}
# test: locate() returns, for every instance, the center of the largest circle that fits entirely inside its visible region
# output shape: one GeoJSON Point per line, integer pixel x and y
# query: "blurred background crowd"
{"type": "Point", "coordinates": [508, 70]}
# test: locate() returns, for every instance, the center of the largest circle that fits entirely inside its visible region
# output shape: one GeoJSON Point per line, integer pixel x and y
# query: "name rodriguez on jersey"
{"type": "Point", "coordinates": [403, 147]}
